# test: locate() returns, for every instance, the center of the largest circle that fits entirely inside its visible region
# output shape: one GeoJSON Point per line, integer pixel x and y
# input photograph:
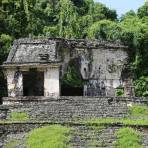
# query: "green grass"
{"type": "Point", "coordinates": [11, 144]}
{"type": "Point", "coordinates": [93, 121]}
{"type": "Point", "coordinates": [124, 121]}
{"type": "Point", "coordinates": [19, 116]}
{"type": "Point", "coordinates": [54, 136]}
{"type": "Point", "coordinates": [138, 110]}
{"type": "Point", "coordinates": [128, 138]}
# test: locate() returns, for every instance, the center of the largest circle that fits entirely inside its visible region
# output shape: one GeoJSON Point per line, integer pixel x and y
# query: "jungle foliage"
{"type": "Point", "coordinates": [77, 19]}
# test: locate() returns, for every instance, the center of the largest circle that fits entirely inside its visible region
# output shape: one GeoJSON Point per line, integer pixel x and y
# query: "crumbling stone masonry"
{"type": "Point", "coordinates": [103, 66]}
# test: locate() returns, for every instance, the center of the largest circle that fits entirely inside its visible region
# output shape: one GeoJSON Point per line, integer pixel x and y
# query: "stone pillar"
{"type": "Point", "coordinates": [129, 88]}
{"type": "Point", "coordinates": [51, 82]}
{"type": "Point", "coordinates": [14, 83]}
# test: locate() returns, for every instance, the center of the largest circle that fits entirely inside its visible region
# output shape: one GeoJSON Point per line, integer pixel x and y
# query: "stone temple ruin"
{"type": "Point", "coordinates": [35, 70]}
{"type": "Point", "coordinates": [35, 67]}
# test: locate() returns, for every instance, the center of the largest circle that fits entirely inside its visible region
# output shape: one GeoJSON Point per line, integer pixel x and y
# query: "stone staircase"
{"type": "Point", "coordinates": [71, 108]}
{"type": "Point", "coordinates": [91, 137]}
{"type": "Point", "coordinates": [68, 111]}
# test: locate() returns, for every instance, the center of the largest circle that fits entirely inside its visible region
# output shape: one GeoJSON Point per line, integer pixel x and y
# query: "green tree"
{"type": "Point", "coordinates": [102, 12]}
{"type": "Point", "coordinates": [141, 86]}
{"type": "Point", "coordinates": [134, 33]}
{"type": "Point", "coordinates": [143, 11]}
{"type": "Point", "coordinates": [68, 26]}
{"type": "Point", "coordinates": [128, 14]}
{"type": "Point", "coordinates": [5, 42]}
{"type": "Point", "coordinates": [104, 29]}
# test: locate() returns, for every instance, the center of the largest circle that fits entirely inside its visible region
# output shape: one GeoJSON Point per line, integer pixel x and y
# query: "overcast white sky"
{"type": "Point", "coordinates": [122, 6]}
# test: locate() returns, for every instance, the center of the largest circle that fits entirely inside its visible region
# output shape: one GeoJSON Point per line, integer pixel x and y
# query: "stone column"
{"type": "Point", "coordinates": [128, 88]}
{"type": "Point", "coordinates": [14, 83]}
{"type": "Point", "coordinates": [51, 82]}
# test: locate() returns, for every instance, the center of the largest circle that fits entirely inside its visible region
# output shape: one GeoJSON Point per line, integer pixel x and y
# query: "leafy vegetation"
{"type": "Point", "coordinates": [54, 136]}
{"type": "Point", "coordinates": [141, 86]}
{"type": "Point", "coordinates": [77, 19]}
{"type": "Point", "coordinates": [19, 116]}
{"type": "Point", "coordinates": [104, 29]}
{"type": "Point", "coordinates": [73, 77]}
{"type": "Point", "coordinates": [138, 110]}
{"type": "Point", "coordinates": [119, 92]}
{"type": "Point", "coordinates": [128, 138]}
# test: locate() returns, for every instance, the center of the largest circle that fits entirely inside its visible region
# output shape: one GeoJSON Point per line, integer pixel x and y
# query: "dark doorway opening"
{"type": "Point", "coordinates": [33, 83]}
{"type": "Point", "coordinates": [71, 91]}
{"type": "Point", "coordinates": [72, 82]}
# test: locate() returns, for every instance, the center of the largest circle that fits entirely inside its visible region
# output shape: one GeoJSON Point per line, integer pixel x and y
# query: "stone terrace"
{"type": "Point", "coordinates": [68, 108]}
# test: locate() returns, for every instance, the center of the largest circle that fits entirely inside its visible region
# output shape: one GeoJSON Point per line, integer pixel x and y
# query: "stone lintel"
{"type": "Point", "coordinates": [26, 67]}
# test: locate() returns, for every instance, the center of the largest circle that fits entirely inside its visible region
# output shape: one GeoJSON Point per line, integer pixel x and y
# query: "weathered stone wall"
{"type": "Point", "coordinates": [70, 108]}
{"type": "Point", "coordinates": [107, 67]}
{"type": "Point", "coordinates": [103, 67]}
{"type": "Point", "coordinates": [108, 63]}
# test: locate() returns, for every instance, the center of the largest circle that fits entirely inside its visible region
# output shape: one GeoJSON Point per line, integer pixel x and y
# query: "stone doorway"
{"type": "Point", "coordinates": [33, 83]}
{"type": "Point", "coordinates": [71, 91]}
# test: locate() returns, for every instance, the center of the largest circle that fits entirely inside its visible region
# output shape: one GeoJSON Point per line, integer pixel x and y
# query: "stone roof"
{"type": "Point", "coordinates": [40, 51]}
{"type": "Point", "coordinates": [33, 51]}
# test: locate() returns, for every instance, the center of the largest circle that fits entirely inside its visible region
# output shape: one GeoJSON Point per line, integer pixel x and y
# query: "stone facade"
{"type": "Point", "coordinates": [102, 65]}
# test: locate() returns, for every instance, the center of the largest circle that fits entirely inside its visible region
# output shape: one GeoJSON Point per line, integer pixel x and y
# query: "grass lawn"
{"type": "Point", "coordinates": [138, 110]}
{"type": "Point", "coordinates": [53, 136]}
{"type": "Point", "coordinates": [128, 138]}
{"type": "Point", "coordinates": [19, 116]}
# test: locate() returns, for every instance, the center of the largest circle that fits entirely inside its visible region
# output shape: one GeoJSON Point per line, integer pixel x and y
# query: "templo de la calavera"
{"type": "Point", "coordinates": [36, 67]}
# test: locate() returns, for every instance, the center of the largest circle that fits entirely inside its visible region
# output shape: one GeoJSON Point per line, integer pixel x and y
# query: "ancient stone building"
{"type": "Point", "coordinates": [35, 71]}
{"type": "Point", "coordinates": [35, 67]}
